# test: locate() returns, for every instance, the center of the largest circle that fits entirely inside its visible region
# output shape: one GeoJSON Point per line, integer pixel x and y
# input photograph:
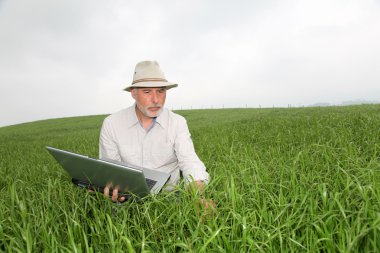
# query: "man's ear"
{"type": "Point", "coordinates": [133, 93]}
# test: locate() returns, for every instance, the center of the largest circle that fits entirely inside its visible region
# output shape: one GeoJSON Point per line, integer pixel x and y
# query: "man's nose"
{"type": "Point", "coordinates": [155, 98]}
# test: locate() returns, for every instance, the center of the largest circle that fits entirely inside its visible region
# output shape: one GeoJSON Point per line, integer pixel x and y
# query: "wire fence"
{"type": "Point", "coordinates": [259, 106]}
{"type": "Point", "coordinates": [245, 106]}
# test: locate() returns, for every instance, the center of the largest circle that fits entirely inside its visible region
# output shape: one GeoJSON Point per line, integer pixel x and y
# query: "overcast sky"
{"type": "Point", "coordinates": [68, 58]}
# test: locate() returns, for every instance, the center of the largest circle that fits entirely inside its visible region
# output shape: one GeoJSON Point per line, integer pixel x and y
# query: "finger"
{"type": "Point", "coordinates": [114, 195]}
{"type": "Point", "coordinates": [203, 202]}
{"type": "Point", "coordinates": [106, 191]}
{"type": "Point", "coordinates": [122, 199]}
{"type": "Point", "coordinates": [208, 203]}
{"type": "Point", "coordinates": [211, 204]}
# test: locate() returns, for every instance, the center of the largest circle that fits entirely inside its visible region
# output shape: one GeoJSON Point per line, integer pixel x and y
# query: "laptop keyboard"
{"type": "Point", "coordinates": [150, 183]}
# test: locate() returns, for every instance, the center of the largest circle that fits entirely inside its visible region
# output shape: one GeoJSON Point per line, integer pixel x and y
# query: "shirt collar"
{"type": "Point", "coordinates": [162, 119]}
{"type": "Point", "coordinates": [131, 116]}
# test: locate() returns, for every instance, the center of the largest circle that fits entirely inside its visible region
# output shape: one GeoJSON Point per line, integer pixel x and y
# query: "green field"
{"type": "Point", "coordinates": [290, 180]}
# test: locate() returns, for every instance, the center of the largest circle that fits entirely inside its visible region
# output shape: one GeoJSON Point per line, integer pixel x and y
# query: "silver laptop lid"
{"type": "Point", "coordinates": [101, 173]}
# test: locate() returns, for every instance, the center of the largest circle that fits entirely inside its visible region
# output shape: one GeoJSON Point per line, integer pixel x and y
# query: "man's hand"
{"type": "Point", "coordinates": [115, 197]}
{"type": "Point", "coordinates": [205, 208]}
{"type": "Point", "coordinates": [196, 186]}
{"type": "Point", "coordinates": [207, 205]}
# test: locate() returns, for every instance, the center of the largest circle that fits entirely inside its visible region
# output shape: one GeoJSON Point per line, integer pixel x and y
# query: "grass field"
{"type": "Point", "coordinates": [290, 180]}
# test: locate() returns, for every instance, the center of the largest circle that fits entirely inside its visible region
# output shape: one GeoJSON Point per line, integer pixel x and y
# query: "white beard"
{"type": "Point", "coordinates": [149, 114]}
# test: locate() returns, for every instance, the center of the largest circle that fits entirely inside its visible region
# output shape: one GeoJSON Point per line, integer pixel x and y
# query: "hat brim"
{"type": "Point", "coordinates": [167, 85]}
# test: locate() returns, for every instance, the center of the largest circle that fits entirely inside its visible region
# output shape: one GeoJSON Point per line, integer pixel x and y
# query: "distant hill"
{"type": "Point", "coordinates": [345, 103]}
{"type": "Point", "coordinates": [319, 105]}
{"type": "Point", "coordinates": [359, 102]}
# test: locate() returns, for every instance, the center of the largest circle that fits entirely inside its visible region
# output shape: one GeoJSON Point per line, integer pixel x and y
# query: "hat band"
{"type": "Point", "coordinates": [149, 80]}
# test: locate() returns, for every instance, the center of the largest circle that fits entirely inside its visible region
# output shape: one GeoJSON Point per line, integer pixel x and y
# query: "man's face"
{"type": "Point", "coordinates": [149, 101]}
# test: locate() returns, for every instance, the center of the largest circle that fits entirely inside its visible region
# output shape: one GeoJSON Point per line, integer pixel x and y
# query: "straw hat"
{"type": "Point", "coordinates": [149, 74]}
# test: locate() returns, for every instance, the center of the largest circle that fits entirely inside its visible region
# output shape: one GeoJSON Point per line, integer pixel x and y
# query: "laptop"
{"type": "Point", "coordinates": [97, 173]}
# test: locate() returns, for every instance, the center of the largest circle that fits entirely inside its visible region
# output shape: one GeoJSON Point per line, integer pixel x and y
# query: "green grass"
{"type": "Point", "coordinates": [290, 180]}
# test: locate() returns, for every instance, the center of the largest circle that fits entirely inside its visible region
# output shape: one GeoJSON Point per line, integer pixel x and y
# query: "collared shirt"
{"type": "Point", "coordinates": [166, 146]}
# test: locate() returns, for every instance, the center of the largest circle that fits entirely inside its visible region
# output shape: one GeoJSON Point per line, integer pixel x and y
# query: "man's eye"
{"type": "Point", "coordinates": [146, 91]}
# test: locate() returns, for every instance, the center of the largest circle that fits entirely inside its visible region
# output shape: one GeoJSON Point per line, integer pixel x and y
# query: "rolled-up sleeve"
{"type": "Point", "coordinates": [189, 163]}
{"type": "Point", "coordinates": [107, 144]}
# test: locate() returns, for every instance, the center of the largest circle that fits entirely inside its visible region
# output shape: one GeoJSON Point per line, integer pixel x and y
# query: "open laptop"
{"type": "Point", "coordinates": [97, 173]}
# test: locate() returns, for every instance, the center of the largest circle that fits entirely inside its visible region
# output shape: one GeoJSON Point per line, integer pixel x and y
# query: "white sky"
{"type": "Point", "coordinates": [68, 58]}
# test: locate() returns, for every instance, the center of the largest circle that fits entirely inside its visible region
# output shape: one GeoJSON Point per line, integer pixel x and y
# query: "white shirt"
{"type": "Point", "coordinates": [167, 146]}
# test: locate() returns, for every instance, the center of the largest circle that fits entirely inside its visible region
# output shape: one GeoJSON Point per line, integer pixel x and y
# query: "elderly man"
{"type": "Point", "coordinates": [149, 135]}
